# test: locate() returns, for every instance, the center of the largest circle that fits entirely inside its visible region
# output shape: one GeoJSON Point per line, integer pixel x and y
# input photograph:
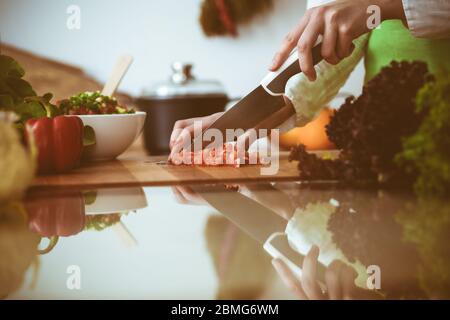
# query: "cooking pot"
{"type": "Point", "coordinates": [182, 97]}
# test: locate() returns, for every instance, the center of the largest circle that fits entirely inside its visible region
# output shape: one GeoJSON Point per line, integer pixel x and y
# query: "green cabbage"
{"type": "Point", "coordinates": [17, 164]}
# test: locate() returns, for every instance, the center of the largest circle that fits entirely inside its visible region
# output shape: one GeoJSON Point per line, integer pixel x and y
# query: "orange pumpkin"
{"type": "Point", "coordinates": [313, 135]}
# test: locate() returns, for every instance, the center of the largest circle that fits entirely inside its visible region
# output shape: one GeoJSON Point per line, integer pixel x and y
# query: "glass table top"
{"type": "Point", "coordinates": [219, 241]}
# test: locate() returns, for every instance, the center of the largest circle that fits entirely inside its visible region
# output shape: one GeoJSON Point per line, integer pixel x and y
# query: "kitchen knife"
{"type": "Point", "coordinates": [258, 221]}
{"type": "Point", "coordinates": [259, 104]}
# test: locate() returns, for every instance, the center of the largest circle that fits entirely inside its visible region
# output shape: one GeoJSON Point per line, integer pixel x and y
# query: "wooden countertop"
{"type": "Point", "coordinates": [134, 167]}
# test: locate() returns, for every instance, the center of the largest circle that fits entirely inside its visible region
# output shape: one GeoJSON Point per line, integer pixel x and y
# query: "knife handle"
{"type": "Point", "coordinates": [275, 82]}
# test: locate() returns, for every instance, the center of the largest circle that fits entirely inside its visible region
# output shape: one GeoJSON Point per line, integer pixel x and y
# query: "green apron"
{"type": "Point", "coordinates": [393, 41]}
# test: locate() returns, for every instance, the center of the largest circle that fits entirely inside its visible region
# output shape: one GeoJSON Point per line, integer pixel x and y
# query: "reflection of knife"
{"type": "Point", "coordinates": [256, 220]}
{"type": "Point", "coordinates": [263, 101]}
{"type": "Point", "coordinates": [253, 218]}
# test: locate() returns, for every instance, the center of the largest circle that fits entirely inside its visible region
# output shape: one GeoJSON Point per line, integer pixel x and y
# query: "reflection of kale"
{"type": "Point", "coordinates": [427, 226]}
{"type": "Point", "coordinates": [364, 229]}
{"type": "Point", "coordinates": [369, 130]}
{"type": "Point", "coordinates": [358, 221]}
{"type": "Point", "coordinates": [406, 237]}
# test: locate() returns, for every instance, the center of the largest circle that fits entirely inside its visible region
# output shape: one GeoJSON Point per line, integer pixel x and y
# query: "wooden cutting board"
{"type": "Point", "coordinates": [148, 171]}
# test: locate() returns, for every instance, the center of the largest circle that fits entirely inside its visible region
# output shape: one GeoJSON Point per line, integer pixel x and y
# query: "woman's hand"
{"type": "Point", "coordinates": [183, 131]}
{"type": "Point", "coordinates": [340, 22]}
{"type": "Point", "coordinates": [339, 280]}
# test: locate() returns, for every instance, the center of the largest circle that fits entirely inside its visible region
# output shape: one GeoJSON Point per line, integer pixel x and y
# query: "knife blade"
{"type": "Point", "coordinates": [260, 103]}
{"type": "Point", "coordinates": [252, 217]}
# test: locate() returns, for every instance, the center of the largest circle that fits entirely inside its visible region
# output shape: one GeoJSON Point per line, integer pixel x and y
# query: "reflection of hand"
{"type": "Point", "coordinates": [56, 214]}
{"type": "Point", "coordinates": [339, 280]}
{"type": "Point", "coordinates": [185, 195]}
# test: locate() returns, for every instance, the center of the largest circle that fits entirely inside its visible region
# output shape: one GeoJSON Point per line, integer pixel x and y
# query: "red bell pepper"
{"type": "Point", "coordinates": [59, 142]}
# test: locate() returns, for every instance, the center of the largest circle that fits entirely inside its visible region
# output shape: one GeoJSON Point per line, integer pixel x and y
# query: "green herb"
{"type": "Point", "coordinates": [88, 136]}
{"type": "Point", "coordinates": [100, 222]}
{"type": "Point", "coordinates": [89, 196]}
{"type": "Point", "coordinates": [427, 152]}
{"type": "Point", "coordinates": [92, 103]}
{"type": "Point", "coordinates": [18, 96]}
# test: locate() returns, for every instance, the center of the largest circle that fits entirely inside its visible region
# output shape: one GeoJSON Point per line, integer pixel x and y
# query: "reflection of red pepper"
{"type": "Point", "coordinates": [59, 142]}
{"type": "Point", "coordinates": [55, 213]}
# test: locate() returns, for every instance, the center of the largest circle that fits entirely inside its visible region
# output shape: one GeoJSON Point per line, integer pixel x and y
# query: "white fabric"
{"type": "Point", "coordinates": [428, 19]}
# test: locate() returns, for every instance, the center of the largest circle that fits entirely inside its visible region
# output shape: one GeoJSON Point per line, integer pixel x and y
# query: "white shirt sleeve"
{"type": "Point", "coordinates": [428, 19]}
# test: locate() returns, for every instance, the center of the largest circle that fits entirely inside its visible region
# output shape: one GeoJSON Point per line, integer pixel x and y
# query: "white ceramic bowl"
{"type": "Point", "coordinates": [114, 133]}
{"type": "Point", "coordinates": [113, 200]}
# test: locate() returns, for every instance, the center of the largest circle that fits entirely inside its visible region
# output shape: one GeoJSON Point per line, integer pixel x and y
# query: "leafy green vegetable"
{"type": "Point", "coordinates": [88, 136]}
{"type": "Point", "coordinates": [13, 89]}
{"type": "Point", "coordinates": [370, 129]}
{"type": "Point", "coordinates": [427, 152]}
{"type": "Point", "coordinates": [89, 196]}
{"type": "Point", "coordinates": [92, 103]}
{"type": "Point", "coordinates": [18, 96]}
{"type": "Point", "coordinates": [100, 222]}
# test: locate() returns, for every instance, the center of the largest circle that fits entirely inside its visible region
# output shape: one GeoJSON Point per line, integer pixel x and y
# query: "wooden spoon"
{"type": "Point", "coordinates": [117, 75]}
{"type": "Point", "coordinates": [119, 71]}
{"type": "Point", "coordinates": [125, 235]}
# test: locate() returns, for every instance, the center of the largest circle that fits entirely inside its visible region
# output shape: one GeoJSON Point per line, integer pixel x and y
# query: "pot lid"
{"type": "Point", "coordinates": [183, 83]}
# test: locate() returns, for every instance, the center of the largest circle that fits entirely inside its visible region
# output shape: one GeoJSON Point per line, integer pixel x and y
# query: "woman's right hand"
{"type": "Point", "coordinates": [183, 131]}
{"type": "Point", "coordinates": [340, 22]}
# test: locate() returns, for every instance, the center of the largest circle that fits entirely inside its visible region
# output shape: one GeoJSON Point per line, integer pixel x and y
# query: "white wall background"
{"type": "Point", "coordinates": [156, 33]}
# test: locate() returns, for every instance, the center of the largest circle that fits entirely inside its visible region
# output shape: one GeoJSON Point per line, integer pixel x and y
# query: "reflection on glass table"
{"type": "Point", "coordinates": [174, 253]}
{"type": "Point", "coordinates": [363, 244]}
{"type": "Point", "coordinates": [218, 242]}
